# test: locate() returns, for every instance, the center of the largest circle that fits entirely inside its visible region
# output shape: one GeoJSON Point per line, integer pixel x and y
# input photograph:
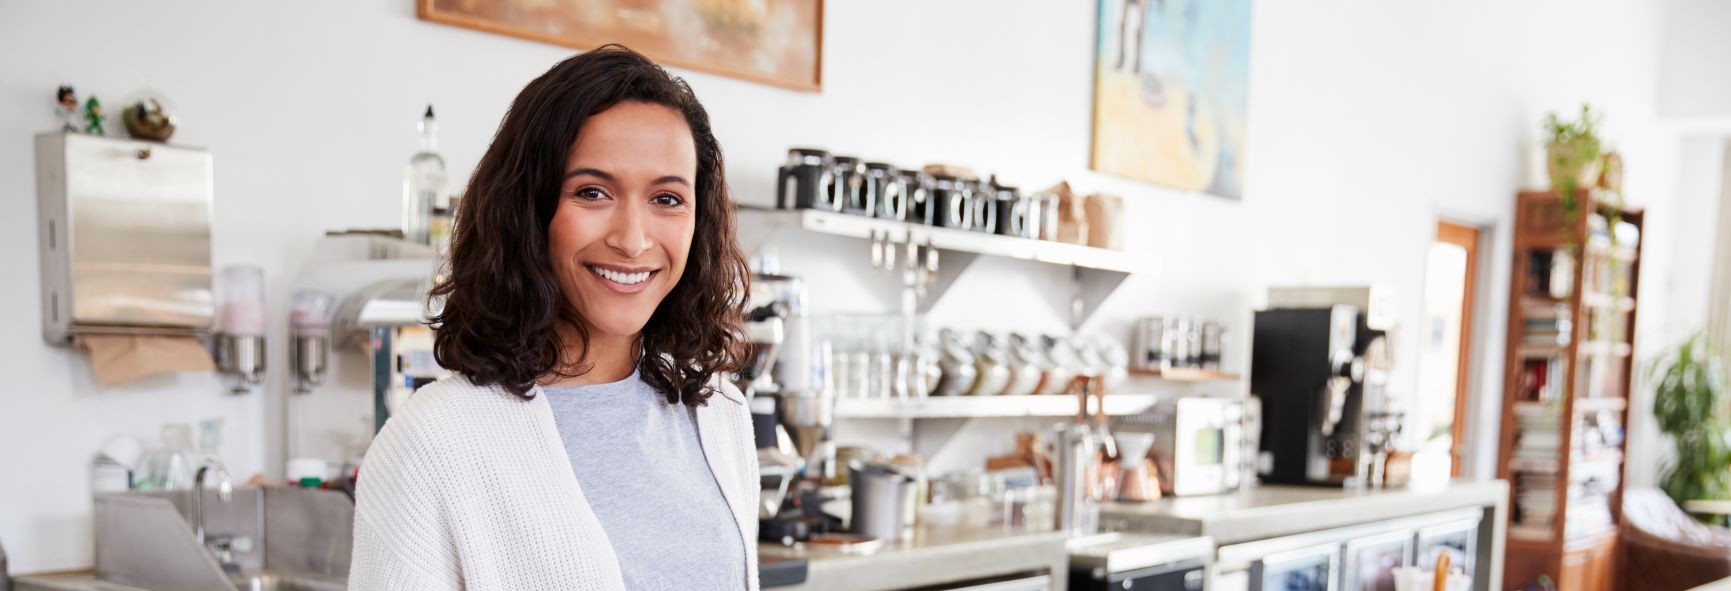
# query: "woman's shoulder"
{"type": "Point", "coordinates": [726, 400]}
{"type": "Point", "coordinates": [456, 394]}
{"type": "Point", "coordinates": [446, 415]}
{"type": "Point", "coordinates": [726, 391]}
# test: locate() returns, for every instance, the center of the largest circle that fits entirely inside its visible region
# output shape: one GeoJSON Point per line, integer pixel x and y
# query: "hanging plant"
{"type": "Point", "coordinates": [1573, 157]}
{"type": "Point", "coordinates": [1690, 406]}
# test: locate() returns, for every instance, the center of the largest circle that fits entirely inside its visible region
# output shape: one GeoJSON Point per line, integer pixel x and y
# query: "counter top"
{"type": "Point", "coordinates": [1273, 510]}
{"type": "Point", "coordinates": [1118, 552]}
{"type": "Point", "coordinates": [67, 581]}
{"type": "Point", "coordinates": [86, 580]}
{"type": "Point", "coordinates": [933, 557]}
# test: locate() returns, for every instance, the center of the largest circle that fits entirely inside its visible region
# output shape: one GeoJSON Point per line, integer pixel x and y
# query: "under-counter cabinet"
{"type": "Point", "coordinates": [1369, 562]}
{"type": "Point", "coordinates": [1304, 569]}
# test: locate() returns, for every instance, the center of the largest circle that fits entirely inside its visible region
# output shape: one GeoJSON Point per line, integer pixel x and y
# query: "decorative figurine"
{"type": "Point", "coordinates": [66, 108]}
{"type": "Point", "coordinates": [93, 117]}
{"type": "Point", "coordinates": [147, 119]}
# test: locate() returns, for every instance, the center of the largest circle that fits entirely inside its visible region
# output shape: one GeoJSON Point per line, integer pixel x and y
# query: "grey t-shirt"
{"type": "Point", "coordinates": [643, 472]}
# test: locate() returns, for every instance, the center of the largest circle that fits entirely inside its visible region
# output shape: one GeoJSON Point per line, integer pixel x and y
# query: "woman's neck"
{"type": "Point", "coordinates": [609, 358]}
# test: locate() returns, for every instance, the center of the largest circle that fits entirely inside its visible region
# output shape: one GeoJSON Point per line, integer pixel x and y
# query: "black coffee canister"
{"type": "Point", "coordinates": [1012, 211]}
{"type": "Point", "coordinates": [851, 187]}
{"type": "Point", "coordinates": [806, 181]}
{"type": "Point", "coordinates": [982, 200]}
{"type": "Point", "coordinates": [952, 202]}
{"type": "Point", "coordinates": [916, 189]}
{"type": "Point", "coordinates": [881, 182]}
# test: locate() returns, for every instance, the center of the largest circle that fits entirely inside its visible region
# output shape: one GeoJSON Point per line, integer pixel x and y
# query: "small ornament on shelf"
{"type": "Point", "coordinates": [148, 117]}
{"type": "Point", "coordinates": [66, 108]}
{"type": "Point", "coordinates": [93, 117]}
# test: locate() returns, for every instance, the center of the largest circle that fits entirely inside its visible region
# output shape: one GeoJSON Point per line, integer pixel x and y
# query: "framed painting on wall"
{"type": "Point", "coordinates": [778, 42]}
{"type": "Point", "coordinates": [1171, 85]}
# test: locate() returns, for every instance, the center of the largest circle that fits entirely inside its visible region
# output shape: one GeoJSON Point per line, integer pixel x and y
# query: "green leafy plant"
{"type": "Point", "coordinates": [1572, 150]}
{"type": "Point", "coordinates": [1689, 403]}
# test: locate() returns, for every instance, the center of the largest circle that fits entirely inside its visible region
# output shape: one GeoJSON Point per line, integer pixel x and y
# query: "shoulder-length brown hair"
{"type": "Point", "coordinates": [502, 304]}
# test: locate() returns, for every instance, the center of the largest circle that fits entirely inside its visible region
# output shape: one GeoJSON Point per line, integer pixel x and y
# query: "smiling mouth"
{"type": "Point", "coordinates": [622, 277]}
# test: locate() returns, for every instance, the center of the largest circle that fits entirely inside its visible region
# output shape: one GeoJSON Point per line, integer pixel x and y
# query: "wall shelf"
{"type": "Point", "coordinates": [1096, 271]}
{"type": "Point", "coordinates": [946, 239]}
{"type": "Point", "coordinates": [1184, 374]}
{"type": "Point", "coordinates": [973, 407]}
{"type": "Point", "coordinates": [1581, 405]}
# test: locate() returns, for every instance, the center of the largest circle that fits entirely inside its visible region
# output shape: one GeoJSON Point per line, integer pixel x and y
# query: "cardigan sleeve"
{"type": "Point", "coordinates": [402, 534]}
{"type": "Point", "coordinates": [377, 564]}
{"type": "Point", "coordinates": [745, 446]}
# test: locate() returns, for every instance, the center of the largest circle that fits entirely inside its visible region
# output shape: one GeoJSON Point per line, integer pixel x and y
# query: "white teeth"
{"type": "Point", "coordinates": [621, 278]}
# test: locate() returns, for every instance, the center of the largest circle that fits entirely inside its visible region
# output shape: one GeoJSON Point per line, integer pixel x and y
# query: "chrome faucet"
{"type": "Point", "coordinates": [224, 493]}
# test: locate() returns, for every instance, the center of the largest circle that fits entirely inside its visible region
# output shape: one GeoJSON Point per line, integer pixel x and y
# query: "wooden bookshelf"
{"type": "Point", "coordinates": [1565, 398]}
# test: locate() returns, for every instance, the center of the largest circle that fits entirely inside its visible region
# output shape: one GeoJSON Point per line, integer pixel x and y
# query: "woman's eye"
{"type": "Point", "coordinates": [669, 200]}
{"type": "Point", "coordinates": [589, 194]}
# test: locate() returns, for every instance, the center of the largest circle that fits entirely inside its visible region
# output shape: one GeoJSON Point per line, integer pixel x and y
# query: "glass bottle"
{"type": "Point", "coordinates": [423, 182]}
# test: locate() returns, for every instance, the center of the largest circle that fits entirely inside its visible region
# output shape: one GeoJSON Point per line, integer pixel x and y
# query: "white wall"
{"type": "Point", "coordinates": [1368, 120]}
{"type": "Point", "coordinates": [1675, 295]}
{"type": "Point", "coordinates": [1691, 79]}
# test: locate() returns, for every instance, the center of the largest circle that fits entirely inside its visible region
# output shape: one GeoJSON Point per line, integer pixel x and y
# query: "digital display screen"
{"type": "Point", "coordinates": [1208, 447]}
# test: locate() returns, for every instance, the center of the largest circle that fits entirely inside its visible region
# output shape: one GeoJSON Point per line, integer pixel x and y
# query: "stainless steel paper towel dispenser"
{"type": "Point", "coordinates": [124, 235]}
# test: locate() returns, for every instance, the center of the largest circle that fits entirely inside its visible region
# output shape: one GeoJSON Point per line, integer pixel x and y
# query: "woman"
{"type": "Point", "coordinates": [586, 440]}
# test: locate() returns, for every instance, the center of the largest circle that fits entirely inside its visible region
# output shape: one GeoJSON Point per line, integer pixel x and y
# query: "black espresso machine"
{"type": "Point", "coordinates": [1317, 369]}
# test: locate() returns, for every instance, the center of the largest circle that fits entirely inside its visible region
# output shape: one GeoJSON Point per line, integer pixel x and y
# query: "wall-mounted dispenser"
{"type": "Point", "coordinates": [310, 323]}
{"type": "Point", "coordinates": [240, 344]}
{"type": "Point", "coordinates": [124, 237]}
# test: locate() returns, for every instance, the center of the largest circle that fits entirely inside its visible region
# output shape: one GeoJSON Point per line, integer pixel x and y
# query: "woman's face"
{"type": "Point", "coordinates": [627, 211]}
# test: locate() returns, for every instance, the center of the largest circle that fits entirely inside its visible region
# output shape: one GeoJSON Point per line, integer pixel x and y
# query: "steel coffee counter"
{"type": "Point", "coordinates": [1323, 532]}
{"type": "Point", "coordinates": [1005, 558]}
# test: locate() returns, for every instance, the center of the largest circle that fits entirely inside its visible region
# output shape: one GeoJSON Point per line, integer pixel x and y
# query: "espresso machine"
{"type": "Point", "coordinates": [1318, 368]}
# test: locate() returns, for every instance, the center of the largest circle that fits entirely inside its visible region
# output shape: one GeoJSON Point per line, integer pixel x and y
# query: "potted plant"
{"type": "Point", "coordinates": [1573, 155]}
{"type": "Point", "coordinates": [1689, 405]}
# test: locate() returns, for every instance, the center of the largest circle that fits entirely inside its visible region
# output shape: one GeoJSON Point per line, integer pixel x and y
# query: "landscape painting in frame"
{"type": "Point", "coordinates": [1171, 83]}
{"type": "Point", "coordinates": [777, 42]}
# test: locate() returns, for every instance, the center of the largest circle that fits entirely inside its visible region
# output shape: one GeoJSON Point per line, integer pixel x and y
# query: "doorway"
{"type": "Point", "coordinates": [1445, 351]}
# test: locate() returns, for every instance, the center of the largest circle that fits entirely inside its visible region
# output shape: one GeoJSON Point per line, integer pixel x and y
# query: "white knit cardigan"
{"type": "Point", "coordinates": [469, 487]}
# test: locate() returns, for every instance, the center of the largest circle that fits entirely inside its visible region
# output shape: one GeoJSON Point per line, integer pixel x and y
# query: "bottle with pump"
{"type": "Point", "coordinates": [423, 183]}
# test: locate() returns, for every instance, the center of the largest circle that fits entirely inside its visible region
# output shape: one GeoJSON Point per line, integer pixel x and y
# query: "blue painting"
{"type": "Point", "coordinates": [1171, 86]}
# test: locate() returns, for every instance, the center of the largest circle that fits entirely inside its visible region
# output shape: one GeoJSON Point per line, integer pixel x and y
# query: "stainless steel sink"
{"type": "Point", "coordinates": [287, 539]}
{"type": "Point", "coordinates": [287, 582]}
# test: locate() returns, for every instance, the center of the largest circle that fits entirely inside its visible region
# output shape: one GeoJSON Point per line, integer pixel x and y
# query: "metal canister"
{"type": "Point", "coordinates": [984, 203]}
{"type": "Point", "coordinates": [885, 501]}
{"type": "Point", "coordinates": [881, 180]}
{"type": "Point", "coordinates": [1176, 348]}
{"type": "Point", "coordinates": [1012, 211]}
{"type": "Point", "coordinates": [850, 187]}
{"type": "Point", "coordinates": [1048, 216]}
{"type": "Point", "coordinates": [952, 203]}
{"type": "Point", "coordinates": [1151, 352]}
{"type": "Point", "coordinates": [807, 180]}
{"type": "Point", "coordinates": [915, 187]}
{"type": "Point", "coordinates": [1211, 335]}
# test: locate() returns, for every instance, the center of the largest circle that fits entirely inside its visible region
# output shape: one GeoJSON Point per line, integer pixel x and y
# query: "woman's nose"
{"type": "Point", "coordinates": [628, 235]}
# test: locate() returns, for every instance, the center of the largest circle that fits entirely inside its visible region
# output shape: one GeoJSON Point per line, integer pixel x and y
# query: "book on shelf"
{"type": "Point", "coordinates": [1550, 273]}
{"type": "Point", "coordinates": [1542, 379]}
{"type": "Point", "coordinates": [1546, 324]}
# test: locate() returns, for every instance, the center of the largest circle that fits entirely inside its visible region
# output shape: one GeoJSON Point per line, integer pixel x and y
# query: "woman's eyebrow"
{"type": "Point", "coordinates": [591, 172]}
{"type": "Point", "coordinates": [672, 178]}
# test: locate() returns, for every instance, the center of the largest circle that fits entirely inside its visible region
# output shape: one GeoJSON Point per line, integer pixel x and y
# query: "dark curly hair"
{"type": "Point", "coordinates": [502, 304]}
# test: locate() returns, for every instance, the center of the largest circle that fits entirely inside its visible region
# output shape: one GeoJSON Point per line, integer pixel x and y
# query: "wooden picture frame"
{"type": "Point", "coordinates": [1172, 93]}
{"type": "Point", "coordinates": [788, 60]}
